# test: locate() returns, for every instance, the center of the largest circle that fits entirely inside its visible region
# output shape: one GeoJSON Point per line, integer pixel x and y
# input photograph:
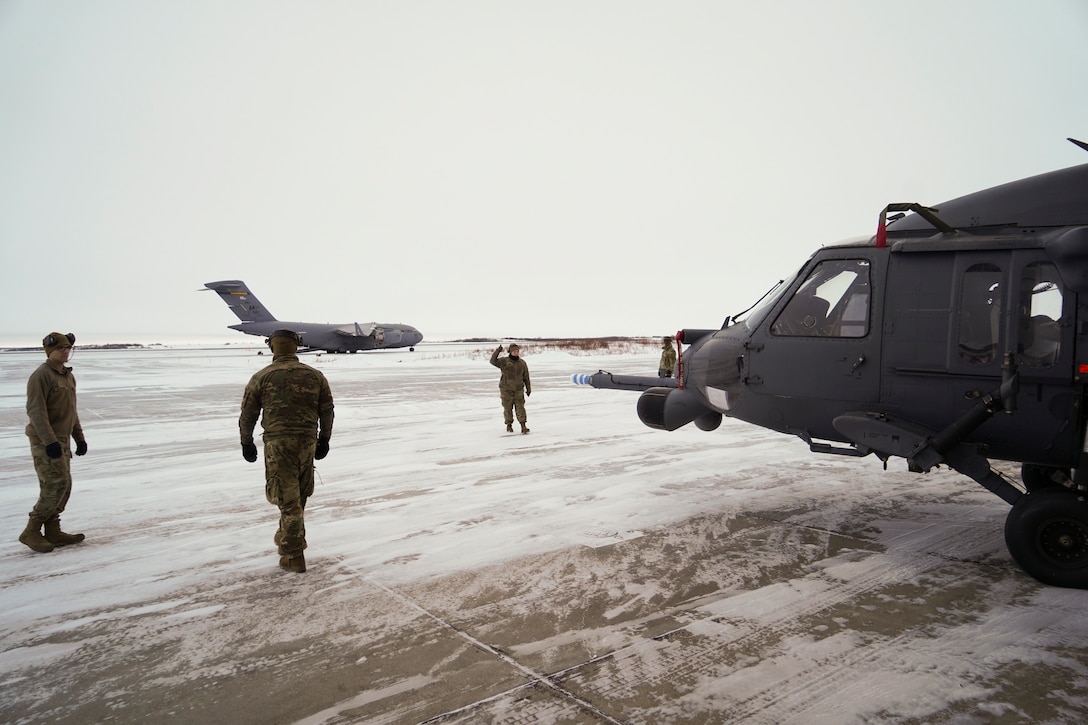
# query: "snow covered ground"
{"type": "Point", "coordinates": [592, 571]}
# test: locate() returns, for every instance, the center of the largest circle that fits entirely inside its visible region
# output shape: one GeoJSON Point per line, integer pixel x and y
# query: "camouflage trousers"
{"type": "Point", "coordinates": [288, 482]}
{"type": "Point", "coordinates": [54, 483]}
{"type": "Point", "coordinates": [513, 401]}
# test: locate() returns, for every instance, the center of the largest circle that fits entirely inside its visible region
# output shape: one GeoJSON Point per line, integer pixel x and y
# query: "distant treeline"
{"type": "Point", "coordinates": [582, 343]}
{"type": "Point", "coordinates": [111, 346]}
{"type": "Point", "coordinates": [613, 344]}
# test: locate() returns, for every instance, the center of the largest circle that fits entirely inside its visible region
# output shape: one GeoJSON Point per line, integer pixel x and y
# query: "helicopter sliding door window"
{"type": "Point", "coordinates": [980, 313]}
{"type": "Point", "coordinates": [1040, 311]}
{"type": "Point", "coordinates": [832, 302]}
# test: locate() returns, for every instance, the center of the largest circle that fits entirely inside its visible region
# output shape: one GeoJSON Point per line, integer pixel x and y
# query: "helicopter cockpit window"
{"type": "Point", "coordinates": [832, 302]}
{"type": "Point", "coordinates": [1040, 312]}
{"type": "Point", "coordinates": [980, 313]}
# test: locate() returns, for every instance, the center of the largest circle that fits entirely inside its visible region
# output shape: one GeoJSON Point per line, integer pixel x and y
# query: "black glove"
{"type": "Point", "coordinates": [53, 450]}
{"type": "Point", "coordinates": [81, 447]}
{"type": "Point", "coordinates": [322, 448]}
{"type": "Point", "coordinates": [528, 393]}
{"type": "Point", "coordinates": [249, 452]}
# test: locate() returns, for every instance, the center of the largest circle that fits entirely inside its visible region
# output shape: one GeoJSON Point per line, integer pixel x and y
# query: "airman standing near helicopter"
{"type": "Point", "coordinates": [668, 359]}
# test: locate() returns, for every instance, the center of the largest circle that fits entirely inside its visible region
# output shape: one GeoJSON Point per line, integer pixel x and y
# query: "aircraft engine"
{"type": "Point", "coordinates": [671, 408]}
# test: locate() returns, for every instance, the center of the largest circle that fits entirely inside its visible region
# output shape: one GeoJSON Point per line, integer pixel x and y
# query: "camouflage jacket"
{"type": "Point", "coordinates": [295, 398]}
{"type": "Point", "coordinates": [515, 373]}
{"type": "Point", "coordinates": [668, 358]}
{"type": "Point", "coordinates": [51, 406]}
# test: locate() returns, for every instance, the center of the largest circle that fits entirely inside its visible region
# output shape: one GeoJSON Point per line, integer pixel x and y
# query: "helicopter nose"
{"type": "Point", "coordinates": [716, 371]}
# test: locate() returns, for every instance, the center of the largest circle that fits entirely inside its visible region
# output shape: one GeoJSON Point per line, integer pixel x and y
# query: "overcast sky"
{"type": "Point", "coordinates": [495, 168]}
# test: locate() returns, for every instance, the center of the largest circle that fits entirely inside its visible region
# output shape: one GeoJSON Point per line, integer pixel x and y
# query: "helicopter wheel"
{"type": "Point", "coordinates": [1046, 533]}
{"type": "Point", "coordinates": [1036, 477]}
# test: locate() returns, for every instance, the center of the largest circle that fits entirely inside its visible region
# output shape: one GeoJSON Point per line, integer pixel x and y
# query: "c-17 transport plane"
{"type": "Point", "coordinates": [350, 337]}
{"type": "Point", "coordinates": [956, 335]}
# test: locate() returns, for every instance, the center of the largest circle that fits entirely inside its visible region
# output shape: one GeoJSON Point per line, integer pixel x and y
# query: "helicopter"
{"type": "Point", "coordinates": [956, 335]}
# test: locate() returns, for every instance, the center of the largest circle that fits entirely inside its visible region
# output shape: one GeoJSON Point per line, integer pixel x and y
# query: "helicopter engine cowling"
{"type": "Point", "coordinates": [671, 408]}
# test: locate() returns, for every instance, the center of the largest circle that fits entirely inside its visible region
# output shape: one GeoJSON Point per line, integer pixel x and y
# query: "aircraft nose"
{"type": "Point", "coordinates": [715, 369]}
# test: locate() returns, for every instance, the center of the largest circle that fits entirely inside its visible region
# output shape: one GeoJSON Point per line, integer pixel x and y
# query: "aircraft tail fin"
{"type": "Point", "coordinates": [236, 294]}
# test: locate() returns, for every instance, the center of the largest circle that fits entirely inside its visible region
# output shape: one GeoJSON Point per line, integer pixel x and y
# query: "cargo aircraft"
{"type": "Point", "coordinates": [956, 335]}
{"type": "Point", "coordinates": [350, 337]}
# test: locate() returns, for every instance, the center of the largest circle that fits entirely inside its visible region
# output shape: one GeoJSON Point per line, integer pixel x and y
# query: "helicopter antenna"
{"type": "Point", "coordinates": [1078, 143]}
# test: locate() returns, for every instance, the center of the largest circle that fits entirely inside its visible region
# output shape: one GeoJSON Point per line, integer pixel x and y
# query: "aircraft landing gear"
{"type": "Point", "coordinates": [1036, 477]}
{"type": "Point", "coordinates": [1047, 534]}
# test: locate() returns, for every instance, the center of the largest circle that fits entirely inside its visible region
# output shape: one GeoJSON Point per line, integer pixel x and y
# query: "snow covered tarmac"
{"type": "Point", "coordinates": [592, 571]}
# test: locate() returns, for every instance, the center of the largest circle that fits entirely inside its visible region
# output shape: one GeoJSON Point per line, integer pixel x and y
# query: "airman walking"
{"type": "Point", "coordinates": [297, 421]}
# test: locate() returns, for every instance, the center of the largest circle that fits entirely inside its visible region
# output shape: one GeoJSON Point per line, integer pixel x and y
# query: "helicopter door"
{"type": "Point", "coordinates": [821, 346]}
{"type": "Point", "coordinates": [950, 322]}
{"type": "Point", "coordinates": [1043, 330]}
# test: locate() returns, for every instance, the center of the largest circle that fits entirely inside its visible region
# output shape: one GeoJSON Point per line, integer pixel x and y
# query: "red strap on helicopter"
{"type": "Point", "coordinates": [882, 230]}
{"type": "Point", "coordinates": [679, 360]}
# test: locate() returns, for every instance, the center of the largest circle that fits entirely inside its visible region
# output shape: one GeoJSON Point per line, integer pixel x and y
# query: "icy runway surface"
{"type": "Point", "coordinates": [593, 571]}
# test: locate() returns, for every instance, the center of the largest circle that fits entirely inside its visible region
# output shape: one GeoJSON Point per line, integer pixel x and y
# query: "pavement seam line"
{"type": "Point", "coordinates": [534, 676]}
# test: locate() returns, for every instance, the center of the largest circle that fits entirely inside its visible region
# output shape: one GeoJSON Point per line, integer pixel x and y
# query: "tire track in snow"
{"type": "Point", "coordinates": [757, 618]}
{"type": "Point", "coordinates": [815, 687]}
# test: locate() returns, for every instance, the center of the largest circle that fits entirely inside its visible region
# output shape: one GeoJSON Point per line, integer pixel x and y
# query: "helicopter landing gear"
{"type": "Point", "coordinates": [1036, 477]}
{"type": "Point", "coordinates": [1047, 534]}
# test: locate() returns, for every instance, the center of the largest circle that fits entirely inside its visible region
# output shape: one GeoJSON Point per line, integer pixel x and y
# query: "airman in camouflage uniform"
{"type": "Point", "coordinates": [514, 380]}
{"type": "Point", "coordinates": [668, 359]}
{"type": "Point", "coordinates": [297, 423]}
{"type": "Point", "coordinates": [54, 423]}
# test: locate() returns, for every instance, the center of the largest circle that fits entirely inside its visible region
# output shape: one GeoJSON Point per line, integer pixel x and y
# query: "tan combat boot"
{"type": "Point", "coordinates": [509, 427]}
{"type": "Point", "coordinates": [32, 537]}
{"type": "Point", "coordinates": [524, 428]}
{"type": "Point", "coordinates": [296, 563]}
{"type": "Point", "coordinates": [56, 537]}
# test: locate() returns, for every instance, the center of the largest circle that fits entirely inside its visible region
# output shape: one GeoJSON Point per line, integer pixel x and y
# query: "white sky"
{"type": "Point", "coordinates": [493, 168]}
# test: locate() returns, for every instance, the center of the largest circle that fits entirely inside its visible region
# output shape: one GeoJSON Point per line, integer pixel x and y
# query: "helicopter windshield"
{"type": "Point", "coordinates": [754, 315]}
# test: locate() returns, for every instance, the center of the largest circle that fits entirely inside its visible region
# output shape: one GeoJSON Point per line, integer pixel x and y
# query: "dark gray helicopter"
{"type": "Point", "coordinates": [956, 335]}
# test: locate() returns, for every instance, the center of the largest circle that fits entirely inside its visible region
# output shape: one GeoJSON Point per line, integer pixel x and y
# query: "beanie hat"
{"type": "Point", "coordinates": [55, 339]}
{"type": "Point", "coordinates": [284, 342]}
{"type": "Point", "coordinates": [283, 346]}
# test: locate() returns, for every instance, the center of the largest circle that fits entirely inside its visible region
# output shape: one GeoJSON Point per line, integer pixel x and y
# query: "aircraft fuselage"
{"type": "Point", "coordinates": [339, 338]}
